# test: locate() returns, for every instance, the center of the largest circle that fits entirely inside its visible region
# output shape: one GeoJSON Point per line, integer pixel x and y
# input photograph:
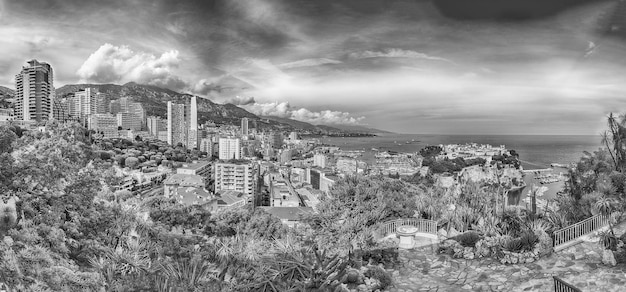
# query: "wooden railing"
{"type": "Point", "coordinates": [423, 226]}
{"type": "Point", "coordinates": [579, 229]}
{"type": "Point", "coordinates": [562, 286]}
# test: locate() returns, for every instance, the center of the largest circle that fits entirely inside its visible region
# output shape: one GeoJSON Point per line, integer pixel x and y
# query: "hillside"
{"type": "Point", "coordinates": [6, 92]}
{"type": "Point", "coordinates": [155, 101]}
{"type": "Point", "coordinates": [360, 129]}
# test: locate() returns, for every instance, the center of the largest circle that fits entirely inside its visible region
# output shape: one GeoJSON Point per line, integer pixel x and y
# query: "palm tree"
{"type": "Point", "coordinates": [606, 206]}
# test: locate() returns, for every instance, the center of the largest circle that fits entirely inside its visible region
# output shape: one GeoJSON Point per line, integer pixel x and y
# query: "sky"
{"type": "Point", "coordinates": [407, 66]}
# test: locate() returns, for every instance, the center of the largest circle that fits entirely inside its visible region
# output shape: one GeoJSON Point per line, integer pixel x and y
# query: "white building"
{"type": "Point", "coordinates": [101, 121]}
{"type": "Point", "coordinates": [193, 138]}
{"type": "Point", "coordinates": [229, 148]}
{"type": "Point", "coordinates": [320, 160]}
{"type": "Point", "coordinates": [241, 177]}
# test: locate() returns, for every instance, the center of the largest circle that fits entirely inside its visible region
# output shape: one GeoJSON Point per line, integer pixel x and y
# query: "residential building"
{"type": "Point", "coordinates": [203, 168]}
{"type": "Point", "coordinates": [34, 92]}
{"type": "Point", "coordinates": [320, 160]}
{"type": "Point", "coordinates": [229, 148]}
{"type": "Point", "coordinates": [177, 180]}
{"type": "Point", "coordinates": [99, 122]}
{"type": "Point", "coordinates": [83, 103]}
{"type": "Point", "coordinates": [193, 139]}
{"type": "Point", "coordinates": [176, 130]}
{"type": "Point", "coordinates": [61, 109]}
{"type": "Point", "coordinates": [207, 145]}
{"type": "Point", "coordinates": [128, 120]}
{"type": "Point", "coordinates": [155, 125]}
{"type": "Point", "coordinates": [126, 105]}
{"type": "Point", "coordinates": [244, 127]}
{"type": "Point", "coordinates": [275, 140]}
{"type": "Point", "coordinates": [241, 177]}
{"type": "Point", "coordinates": [102, 103]}
{"type": "Point", "coordinates": [293, 136]}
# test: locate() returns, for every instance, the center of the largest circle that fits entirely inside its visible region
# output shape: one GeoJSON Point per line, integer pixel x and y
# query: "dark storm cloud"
{"type": "Point", "coordinates": [509, 10]}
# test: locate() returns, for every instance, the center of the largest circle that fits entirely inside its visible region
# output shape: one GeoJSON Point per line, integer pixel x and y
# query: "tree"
{"type": "Point", "coordinates": [430, 151]}
{"type": "Point", "coordinates": [7, 137]}
{"type": "Point", "coordinates": [131, 162]}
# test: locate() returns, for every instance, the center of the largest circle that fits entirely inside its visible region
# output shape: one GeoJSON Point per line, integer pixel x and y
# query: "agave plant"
{"type": "Point", "coordinates": [186, 274]}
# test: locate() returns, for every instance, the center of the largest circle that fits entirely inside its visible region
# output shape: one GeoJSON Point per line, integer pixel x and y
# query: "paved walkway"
{"type": "Point", "coordinates": [581, 265]}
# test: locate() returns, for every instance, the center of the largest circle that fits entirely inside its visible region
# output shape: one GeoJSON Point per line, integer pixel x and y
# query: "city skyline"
{"type": "Point", "coordinates": [403, 66]}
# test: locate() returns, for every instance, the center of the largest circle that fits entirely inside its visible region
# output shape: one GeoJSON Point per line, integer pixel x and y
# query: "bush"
{"type": "Point", "coordinates": [381, 275]}
{"type": "Point", "coordinates": [512, 245]}
{"type": "Point", "coordinates": [468, 239]}
{"type": "Point", "coordinates": [528, 241]}
{"type": "Point", "coordinates": [387, 256]}
{"type": "Point", "coordinates": [608, 240]}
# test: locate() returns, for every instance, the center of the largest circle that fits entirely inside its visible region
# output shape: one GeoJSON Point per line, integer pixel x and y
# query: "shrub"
{"type": "Point", "coordinates": [528, 240]}
{"type": "Point", "coordinates": [468, 239]}
{"type": "Point", "coordinates": [608, 240]}
{"type": "Point", "coordinates": [512, 245]}
{"type": "Point", "coordinates": [386, 256]}
{"type": "Point", "coordinates": [381, 275]}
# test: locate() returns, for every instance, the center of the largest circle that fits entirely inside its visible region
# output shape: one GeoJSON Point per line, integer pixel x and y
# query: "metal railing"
{"type": "Point", "coordinates": [562, 286]}
{"type": "Point", "coordinates": [579, 229]}
{"type": "Point", "coordinates": [422, 225]}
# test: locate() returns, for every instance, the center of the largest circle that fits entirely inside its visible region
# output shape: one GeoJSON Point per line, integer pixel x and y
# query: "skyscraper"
{"type": "Point", "coordinates": [244, 126]}
{"type": "Point", "coordinates": [192, 122]}
{"type": "Point", "coordinates": [176, 124]}
{"type": "Point", "coordinates": [34, 92]}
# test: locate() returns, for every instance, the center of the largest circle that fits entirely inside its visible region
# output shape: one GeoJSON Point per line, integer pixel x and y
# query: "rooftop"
{"type": "Point", "coordinates": [230, 197]}
{"type": "Point", "coordinates": [196, 165]}
{"type": "Point", "coordinates": [192, 196]}
{"type": "Point", "coordinates": [288, 213]}
{"type": "Point", "coordinates": [184, 180]}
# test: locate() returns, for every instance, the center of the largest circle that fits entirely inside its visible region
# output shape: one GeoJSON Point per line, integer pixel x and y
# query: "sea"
{"type": "Point", "coordinates": [535, 151]}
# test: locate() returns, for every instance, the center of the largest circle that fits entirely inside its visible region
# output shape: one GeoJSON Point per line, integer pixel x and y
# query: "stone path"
{"type": "Point", "coordinates": [424, 270]}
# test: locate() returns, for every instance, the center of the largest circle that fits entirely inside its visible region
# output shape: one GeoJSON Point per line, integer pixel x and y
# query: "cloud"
{"type": "Point", "coordinates": [120, 64]}
{"type": "Point", "coordinates": [396, 53]}
{"type": "Point", "coordinates": [237, 100]}
{"type": "Point", "coordinates": [285, 110]}
{"type": "Point", "coordinates": [308, 63]}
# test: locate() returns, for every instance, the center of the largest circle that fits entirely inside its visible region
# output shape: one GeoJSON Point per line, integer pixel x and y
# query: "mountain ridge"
{"type": "Point", "coordinates": [154, 99]}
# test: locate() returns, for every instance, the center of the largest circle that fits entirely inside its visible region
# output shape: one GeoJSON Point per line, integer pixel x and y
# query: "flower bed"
{"type": "Point", "coordinates": [525, 249]}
